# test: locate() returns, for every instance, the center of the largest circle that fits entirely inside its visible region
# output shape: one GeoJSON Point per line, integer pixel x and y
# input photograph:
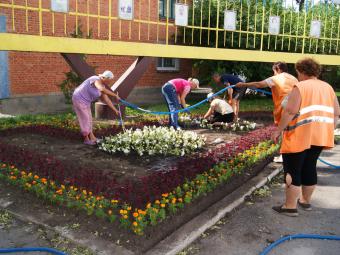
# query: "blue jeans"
{"type": "Point", "coordinates": [170, 95]}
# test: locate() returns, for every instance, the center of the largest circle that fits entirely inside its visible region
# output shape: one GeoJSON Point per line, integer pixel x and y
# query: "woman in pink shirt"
{"type": "Point", "coordinates": [89, 91]}
{"type": "Point", "coordinates": [175, 92]}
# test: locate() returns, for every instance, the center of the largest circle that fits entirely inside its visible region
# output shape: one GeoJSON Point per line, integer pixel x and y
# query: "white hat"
{"type": "Point", "coordinates": [107, 75]}
{"type": "Point", "coordinates": [195, 81]}
{"type": "Point", "coordinates": [209, 96]}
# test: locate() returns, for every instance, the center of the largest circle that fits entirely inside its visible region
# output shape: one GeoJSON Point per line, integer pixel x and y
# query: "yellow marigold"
{"type": "Point", "coordinates": [90, 193]}
{"type": "Point", "coordinates": [141, 212]}
{"type": "Point", "coordinates": [84, 192]}
{"type": "Point", "coordinates": [113, 201]}
{"type": "Point", "coordinates": [59, 191]}
{"type": "Point", "coordinates": [125, 216]}
{"type": "Point", "coordinates": [23, 173]}
{"type": "Point", "coordinates": [129, 208]}
{"type": "Point", "coordinates": [36, 177]}
{"type": "Point", "coordinates": [77, 197]}
{"type": "Point", "coordinates": [148, 205]}
{"type": "Point", "coordinates": [100, 206]}
{"type": "Point", "coordinates": [135, 224]}
{"type": "Point", "coordinates": [157, 202]}
{"type": "Point", "coordinates": [28, 185]}
{"type": "Point", "coordinates": [71, 187]}
{"type": "Point", "coordinates": [162, 205]}
{"type": "Point", "coordinates": [62, 186]}
{"type": "Point", "coordinates": [75, 189]}
{"type": "Point", "coordinates": [174, 201]}
{"type": "Point", "coordinates": [109, 212]}
{"type": "Point", "coordinates": [135, 214]}
{"type": "Point", "coordinates": [165, 195]}
{"type": "Point", "coordinates": [121, 211]}
{"type": "Point", "coordinates": [180, 200]}
{"type": "Point", "coordinates": [44, 180]}
{"type": "Point", "coordinates": [139, 218]}
{"type": "Point", "coordinates": [13, 177]}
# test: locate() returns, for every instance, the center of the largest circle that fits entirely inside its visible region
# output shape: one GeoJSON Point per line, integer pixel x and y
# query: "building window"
{"type": "Point", "coordinates": [168, 64]}
{"type": "Point", "coordinates": [162, 8]}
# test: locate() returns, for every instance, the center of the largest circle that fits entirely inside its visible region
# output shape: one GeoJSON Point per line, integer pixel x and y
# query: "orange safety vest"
{"type": "Point", "coordinates": [314, 123]}
{"type": "Point", "coordinates": [284, 84]}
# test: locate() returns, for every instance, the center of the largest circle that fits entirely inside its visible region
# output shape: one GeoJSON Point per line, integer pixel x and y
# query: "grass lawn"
{"type": "Point", "coordinates": [337, 93]}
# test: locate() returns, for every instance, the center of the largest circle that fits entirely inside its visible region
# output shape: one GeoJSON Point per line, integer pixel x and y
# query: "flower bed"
{"type": "Point", "coordinates": [136, 203]}
{"type": "Point", "coordinates": [129, 217]}
{"type": "Point", "coordinates": [188, 121]}
{"type": "Point", "coordinates": [153, 141]}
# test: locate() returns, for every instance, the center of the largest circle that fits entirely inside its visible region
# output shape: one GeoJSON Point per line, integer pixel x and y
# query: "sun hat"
{"type": "Point", "coordinates": [195, 81]}
{"type": "Point", "coordinates": [107, 75]}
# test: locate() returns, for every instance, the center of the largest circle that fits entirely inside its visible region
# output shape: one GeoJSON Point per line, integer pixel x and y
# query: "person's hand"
{"type": "Point", "coordinates": [239, 85]}
{"type": "Point", "coordinates": [230, 101]}
{"type": "Point", "coordinates": [276, 135]}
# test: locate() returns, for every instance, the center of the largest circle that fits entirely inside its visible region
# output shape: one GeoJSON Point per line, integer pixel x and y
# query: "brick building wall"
{"type": "Point", "coordinates": [40, 73]}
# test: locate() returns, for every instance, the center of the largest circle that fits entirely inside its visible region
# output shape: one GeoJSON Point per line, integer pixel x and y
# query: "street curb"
{"type": "Point", "coordinates": [95, 244]}
{"type": "Point", "coordinates": [188, 233]}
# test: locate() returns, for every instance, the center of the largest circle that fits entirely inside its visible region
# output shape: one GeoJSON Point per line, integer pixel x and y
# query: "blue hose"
{"type": "Point", "coordinates": [329, 164]}
{"type": "Point", "coordinates": [298, 236]}
{"type": "Point", "coordinates": [177, 111]}
{"type": "Point", "coordinates": [31, 249]}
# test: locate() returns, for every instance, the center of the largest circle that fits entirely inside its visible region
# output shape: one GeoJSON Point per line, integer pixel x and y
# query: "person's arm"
{"type": "Point", "coordinates": [209, 112]}
{"type": "Point", "coordinates": [289, 112]}
{"type": "Point", "coordinates": [99, 85]}
{"type": "Point", "coordinates": [186, 91]}
{"type": "Point", "coordinates": [336, 111]}
{"type": "Point", "coordinates": [255, 84]}
{"type": "Point", "coordinates": [105, 98]}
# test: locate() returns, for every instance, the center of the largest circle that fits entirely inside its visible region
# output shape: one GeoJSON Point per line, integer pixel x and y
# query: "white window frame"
{"type": "Point", "coordinates": [171, 69]}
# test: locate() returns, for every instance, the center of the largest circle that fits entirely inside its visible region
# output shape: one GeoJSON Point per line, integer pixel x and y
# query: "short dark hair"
{"type": "Point", "coordinates": [282, 66]}
{"type": "Point", "coordinates": [309, 67]}
{"type": "Point", "coordinates": [216, 74]}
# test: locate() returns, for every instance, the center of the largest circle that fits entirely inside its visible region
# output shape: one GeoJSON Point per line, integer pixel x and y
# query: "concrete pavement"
{"type": "Point", "coordinates": [254, 226]}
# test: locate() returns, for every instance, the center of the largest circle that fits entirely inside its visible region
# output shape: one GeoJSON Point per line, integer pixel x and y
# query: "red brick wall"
{"type": "Point", "coordinates": [40, 73]}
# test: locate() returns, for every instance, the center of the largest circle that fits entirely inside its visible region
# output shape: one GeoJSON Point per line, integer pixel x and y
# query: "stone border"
{"type": "Point", "coordinates": [188, 233]}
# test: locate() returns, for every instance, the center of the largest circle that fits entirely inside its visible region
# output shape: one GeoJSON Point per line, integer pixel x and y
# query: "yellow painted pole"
{"type": "Point", "coordinates": [337, 41]}
{"type": "Point", "coordinates": [184, 29]}
{"type": "Point", "coordinates": [317, 40]}
{"type": "Point", "coordinates": [297, 30]}
{"type": "Point", "coordinates": [157, 38]}
{"type": "Point", "coordinates": [76, 17]}
{"type": "Point", "coordinates": [277, 14]}
{"type": "Point", "coordinates": [290, 25]}
{"type": "Point", "coordinates": [255, 24]}
{"type": "Point", "coordinates": [209, 22]}
{"type": "Point", "coordinates": [88, 17]}
{"type": "Point", "coordinates": [98, 19]}
{"type": "Point", "coordinates": [304, 32]}
{"type": "Point", "coordinates": [325, 29]}
{"type": "Point", "coordinates": [201, 21]}
{"type": "Point", "coordinates": [149, 17]}
{"type": "Point", "coordinates": [269, 37]}
{"type": "Point", "coordinates": [13, 18]}
{"type": "Point", "coordinates": [140, 17]}
{"type": "Point", "coordinates": [26, 13]}
{"type": "Point", "coordinates": [167, 21]}
{"type": "Point", "coordinates": [262, 29]}
{"type": "Point", "coordinates": [53, 24]}
{"type": "Point", "coordinates": [310, 39]}
{"type": "Point", "coordinates": [240, 34]}
{"type": "Point", "coordinates": [193, 22]}
{"type": "Point", "coordinates": [331, 39]}
{"type": "Point", "coordinates": [40, 19]}
{"type": "Point", "coordinates": [217, 22]}
{"type": "Point", "coordinates": [248, 20]}
{"type": "Point", "coordinates": [284, 25]}
{"type": "Point", "coordinates": [225, 32]}
{"type": "Point", "coordinates": [110, 21]}
{"type": "Point", "coordinates": [65, 24]}
{"type": "Point", "coordinates": [232, 33]}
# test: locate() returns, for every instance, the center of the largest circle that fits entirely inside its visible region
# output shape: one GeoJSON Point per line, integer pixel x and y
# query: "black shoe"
{"type": "Point", "coordinates": [306, 207]}
{"type": "Point", "coordinates": [286, 211]}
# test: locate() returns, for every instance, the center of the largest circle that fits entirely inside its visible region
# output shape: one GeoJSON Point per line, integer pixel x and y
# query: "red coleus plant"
{"type": "Point", "coordinates": [135, 192]}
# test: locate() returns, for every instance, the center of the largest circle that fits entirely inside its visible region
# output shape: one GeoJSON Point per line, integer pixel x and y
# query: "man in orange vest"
{"type": "Point", "coordinates": [307, 123]}
{"type": "Point", "coordinates": [281, 84]}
